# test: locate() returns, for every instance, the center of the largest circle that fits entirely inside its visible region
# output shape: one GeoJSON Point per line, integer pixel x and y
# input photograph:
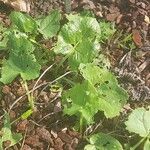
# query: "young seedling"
{"type": "Point", "coordinates": [98, 90]}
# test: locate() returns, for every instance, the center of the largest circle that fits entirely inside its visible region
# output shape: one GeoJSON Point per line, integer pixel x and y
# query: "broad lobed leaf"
{"type": "Point", "coordinates": [111, 96]}
{"type": "Point", "coordinates": [103, 141]}
{"type": "Point", "coordinates": [23, 22]}
{"type": "Point", "coordinates": [21, 59]}
{"type": "Point", "coordinates": [139, 122]}
{"type": "Point", "coordinates": [99, 91]}
{"type": "Point", "coordinates": [77, 38]}
{"type": "Point", "coordinates": [50, 25]}
{"type": "Point", "coordinates": [81, 100]}
{"type": "Point", "coordinates": [24, 66]}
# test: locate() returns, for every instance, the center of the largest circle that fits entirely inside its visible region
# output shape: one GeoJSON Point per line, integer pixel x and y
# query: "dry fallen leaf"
{"type": "Point", "coordinates": [144, 65]}
{"type": "Point", "coordinates": [20, 5]}
{"type": "Point", "coordinates": [137, 38]}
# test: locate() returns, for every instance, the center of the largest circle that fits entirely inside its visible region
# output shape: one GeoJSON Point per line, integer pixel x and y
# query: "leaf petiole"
{"type": "Point", "coordinates": [81, 124]}
{"type": "Point", "coordinates": [138, 144]}
{"type": "Point", "coordinates": [30, 97]}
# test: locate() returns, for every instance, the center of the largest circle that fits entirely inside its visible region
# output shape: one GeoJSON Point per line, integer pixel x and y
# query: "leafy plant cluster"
{"type": "Point", "coordinates": [20, 42]}
{"type": "Point", "coordinates": [93, 88]}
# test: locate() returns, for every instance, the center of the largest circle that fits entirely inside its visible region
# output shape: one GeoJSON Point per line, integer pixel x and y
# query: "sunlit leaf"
{"type": "Point", "coordinates": [81, 99]}
{"type": "Point", "coordinates": [111, 96]}
{"type": "Point", "coordinates": [139, 122]}
{"type": "Point", "coordinates": [100, 91]}
{"type": "Point", "coordinates": [78, 39]}
{"type": "Point", "coordinates": [50, 25]}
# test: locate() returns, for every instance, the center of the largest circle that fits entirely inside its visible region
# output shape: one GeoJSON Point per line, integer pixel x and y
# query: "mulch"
{"type": "Point", "coordinates": [47, 128]}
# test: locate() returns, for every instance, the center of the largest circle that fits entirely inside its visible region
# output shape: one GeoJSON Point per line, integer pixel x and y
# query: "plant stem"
{"type": "Point", "coordinates": [69, 81]}
{"type": "Point", "coordinates": [30, 97]}
{"type": "Point", "coordinates": [81, 124]}
{"type": "Point", "coordinates": [136, 145]}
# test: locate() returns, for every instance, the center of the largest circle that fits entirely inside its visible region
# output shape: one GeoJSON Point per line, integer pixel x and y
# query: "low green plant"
{"type": "Point", "coordinates": [22, 47]}
{"type": "Point", "coordinates": [99, 91]}
{"type": "Point", "coordinates": [21, 44]}
{"type": "Point", "coordinates": [79, 41]}
{"type": "Point", "coordinates": [94, 88]}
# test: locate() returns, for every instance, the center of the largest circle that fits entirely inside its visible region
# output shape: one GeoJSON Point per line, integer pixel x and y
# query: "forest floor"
{"type": "Point", "coordinates": [48, 128]}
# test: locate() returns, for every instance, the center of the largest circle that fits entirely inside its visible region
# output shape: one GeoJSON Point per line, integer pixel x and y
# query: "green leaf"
{"type": "Point", "coordinates": [95, 74]}
{"type": "Point", "coordinates": [111, 96]}
{"type": "Point", "coordinates": [90, 147]}
{"type": "Point", "coordinates": [83, 53]}
{"type": "Point", "coordinates": [139, 122]}
{"type": "Point", "coordinates": [82, 26]}
{"type": "Point", "coordinates": [18, 42]}
{"type": "Point", "coordinates": [26, 114]}
{"type": "Point", "coordinates": [103, 141]}
{"type": "Point", "coordinates": [50, 25]}
{"type": "Point", "coordinates": [83, 100]}
{"type": "Point", "coordinates": [77, 38]}
{"type": "Point", "coordinates": [24, 22]}
{"type": "Point", "coordinates": [7, 134]}
{"type": "Point", "coordinates": [147, 145]}
{"type": "Point", "coordinates": [21, 60]}
{"type": "Point", "coordinates": [79, 28]}
{"type": "Point", "coordinates": [63, 47]}
{"type": "Point", "coordinates": [24, 65]}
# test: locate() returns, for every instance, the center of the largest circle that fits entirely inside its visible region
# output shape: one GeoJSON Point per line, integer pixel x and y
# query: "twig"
{"type": "Point", "coordinates": [23, 140]}
{"type": "Point", "coordinates": [35, 123]}
{"type": "Point", "coordinates": [47, 116]}
{"type": "Point", "coordinates": [42, 76]}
